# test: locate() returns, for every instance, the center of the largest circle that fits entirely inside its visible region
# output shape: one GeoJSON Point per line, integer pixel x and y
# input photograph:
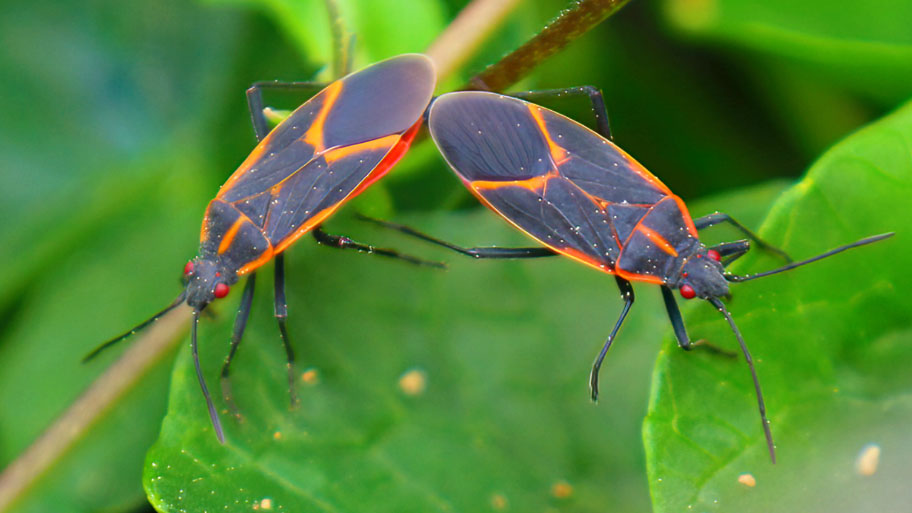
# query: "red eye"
{"type": "Point", "coordinates": [687, 292]}
{"type": "Point", "coordinates": [188, 269]}
{"type": "Point", "coordinates": [221, 290]}
{"type": "Point", "coordinates": [714, 255]}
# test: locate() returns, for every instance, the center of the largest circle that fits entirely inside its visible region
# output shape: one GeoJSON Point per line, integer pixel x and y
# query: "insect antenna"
{"type": "Point", "coordinates": [750, 363]}
{"type": "Point", "coordinates": [840, 249]}
{"type": "Point", "coordinates": [216, 424]}
{"type": "Point", "coordinates": [180, 299]}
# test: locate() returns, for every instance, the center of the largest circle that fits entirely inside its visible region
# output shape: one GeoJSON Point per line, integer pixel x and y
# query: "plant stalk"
{"type": "Point", "coordinates": [82, 414]}
{"type": "Point", "coordinates": [462, 37]}
{"type": "Point", "coordinates": [569, 25]}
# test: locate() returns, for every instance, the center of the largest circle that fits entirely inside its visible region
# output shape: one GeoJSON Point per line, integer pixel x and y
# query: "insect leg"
{"type": "Point", "coordinates": [593, 94]}
{"type": "Point", "coordinates": [281, 314]}
{"type": "Point", "coordinates": [483, 252]}
{"type": "Point", "coordinates": [343, 242]}
{"type": "Point", "coordinates": [257, 106]}
{"type": "Point", "coordinates": [720, 217]}
{"type": "Point", "coordinates": [240, 322]}
{"type": "Point", "coordinates": [732, 250]}
{"type": "Point", "coordinates": [213, 414]}
{"type": "Point", "coordinates": [627, 295]}
{"type": "Point", "coordinates": [677, 324]}
{"type": "Point", "coordinates": [750, 363]}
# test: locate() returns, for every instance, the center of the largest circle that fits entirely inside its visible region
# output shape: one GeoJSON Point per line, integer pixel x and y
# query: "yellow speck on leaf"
{"type": "Point", "coordinates": [747, 479]}
{"type": "Point", "coordinates": [413, 382]}
{"type": "Point", "coordinates": [868, 459]}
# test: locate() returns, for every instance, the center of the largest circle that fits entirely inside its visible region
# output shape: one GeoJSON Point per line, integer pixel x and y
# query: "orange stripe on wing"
{"type": "Point", "coordinates": [318, 218]}
{"type": "Point", "coordinates": [314, 134]}
{"type": "Point", "coordinates": [230, 234]}
{"type": "Point", "coordinates": [657, 239]}
{"type": "Point", "coordinates": [383, 143]}
{"type": "Point", "coordinates": [394, 155]}
{"type": "Point", "coordinates": [245, 166]}
{"type": "Point", "coordinates": [566, 251]}
{"type": "Point", "coordinates": [397, 146]}
{"type": "Point", "coordinates": [686, 215]}
{"type": "Point", "coordinates": [647, 278]}
{"type": "Point", "coordinates": [534, 184]}
{"type": "Point", "coordinates": [644, 173]}
{"type": "Point", "coordinates": [250, 266]}
{"type": "Point", "coordinates": [558, 154]}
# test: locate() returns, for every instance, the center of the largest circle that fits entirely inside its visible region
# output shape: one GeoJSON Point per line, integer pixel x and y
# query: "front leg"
{"type": "Point", "coordinates": [593, 94]}
{"type": "Point", "coordinates": [281, 314]}
{"type": "Point", "coordinates": [240, 323]}
{"type": "Point", "coordinates": [732, 250]}
{"type": "Point", "coordinates": [627, 295]}
{"type": "Point", "coordinates": [677, 324]}
{"type": "Point", "coordinates": [257, 106]}
{"type": "Point", "coordinates": [720, 217]}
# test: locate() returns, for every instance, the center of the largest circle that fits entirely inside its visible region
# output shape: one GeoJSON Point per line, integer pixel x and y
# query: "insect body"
{"type": "Point", "coordinates": [326, 152]}
{"type": "Point", "coordinates": [579, 195]}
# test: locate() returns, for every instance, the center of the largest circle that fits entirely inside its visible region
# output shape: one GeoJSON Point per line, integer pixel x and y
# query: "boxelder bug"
{"type": "Point", "coordinates": [579, 195]}
{"type": "Point", "coordinates": [326, 152]}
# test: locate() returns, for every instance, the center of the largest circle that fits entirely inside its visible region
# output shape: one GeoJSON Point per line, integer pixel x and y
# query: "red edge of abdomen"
{"type": "Point", "coordinates": [390, 159]}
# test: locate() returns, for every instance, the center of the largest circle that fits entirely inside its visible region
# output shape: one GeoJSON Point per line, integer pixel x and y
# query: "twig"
{"type": "Point", "coordinates": [569, 25]}
{"type": "Point", "coordinates": [341, 58]}
{"type": "Point", "coordinates": [63, 434]}
{"type": "Point", "coordinates": [449, 51]}
{"type": "Point", "coordinates": [459, 41]}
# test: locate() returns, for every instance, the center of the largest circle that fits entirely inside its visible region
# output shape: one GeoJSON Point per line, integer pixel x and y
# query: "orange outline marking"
{"type": "Point", "coordinates": [569, 252]}
{"type": "Point", "coordinates": [635, 166]}
{"type": "Point", "coordinates": [318, 218]}
{"type": "Point", "coordinates": [648, 278]}
{"type": "Point", "coordinates": [390, 160]}
{"type": "Point", "coordinates": [657, 239]}
{"type": "Point", "coordinates": [331, 92]}
{"type": "Point", "coordinates": [204, 229]}
{"type": "Point", "coordinates": [314, 134]}
{"type": "Point", "coordinates": [534, 184]}
{"type": "Point", "coordinates": [230, 234]}
{"type": "Point", "coordinates": [686, 215]}
{"type": "Point", "coordinates": [267, 255]}
{"type": "Point", "coordinates": [627, 275]}
{"type": "Point", "coordinates": [340, 152]}
{"type": "Point", "coordinates": [558, 154]}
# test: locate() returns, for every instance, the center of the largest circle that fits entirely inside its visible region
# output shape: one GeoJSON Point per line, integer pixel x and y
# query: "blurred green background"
{"type": "Point", "coordinates": [121, 119]}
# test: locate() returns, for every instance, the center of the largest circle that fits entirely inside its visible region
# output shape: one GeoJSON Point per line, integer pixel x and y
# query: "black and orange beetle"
{"type": "Point", "coordinates": [326, 152]}
{"type": "Point", "coordinates": [579, 195]}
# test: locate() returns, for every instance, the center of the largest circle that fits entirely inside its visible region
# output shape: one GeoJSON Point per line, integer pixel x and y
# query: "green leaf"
{"type": "Point", "coordinates": [865, 47]}
{"type": "Point", "coordinates": [382, 28]}
{"type": "Point", "coordinates": [505, 348]}
{"type": "Point", "coordinates": [92, 102]}
{"type": "Point", "coordinates": [93, 293]}
{"type": "Point", "coordinates": [100, 159]}
{"type": "Point", "coordinates": [504, 417]}
{"type": "Point", "coordinates": [829, 341]}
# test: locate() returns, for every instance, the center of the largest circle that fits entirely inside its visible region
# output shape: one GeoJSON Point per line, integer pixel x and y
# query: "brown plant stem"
{"type": "Point", "coordinates": [462, 37]}
{"type": "Point", "coordinates": [341, 58]}
{"type": "Point", "coordinates": [569, 25]}
{"type": "Point", "coordinates": [449, 51]}
{"type": "Point", "coordinates": [82, 414]}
